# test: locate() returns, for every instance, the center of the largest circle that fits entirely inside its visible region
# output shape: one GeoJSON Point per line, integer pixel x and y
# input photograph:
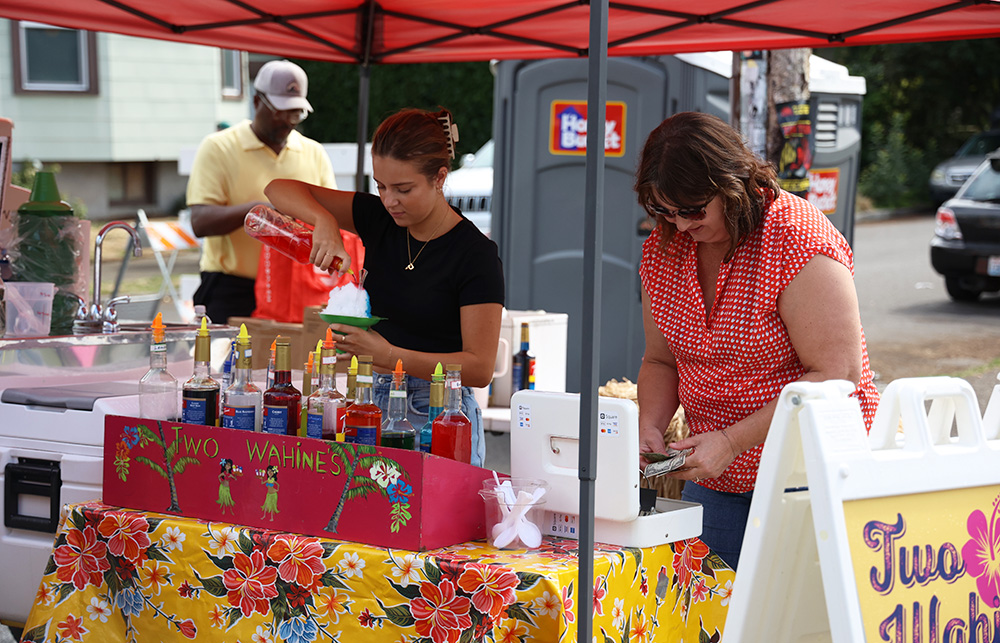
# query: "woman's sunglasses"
{"type": "Point", "coordinates": [691, 214]}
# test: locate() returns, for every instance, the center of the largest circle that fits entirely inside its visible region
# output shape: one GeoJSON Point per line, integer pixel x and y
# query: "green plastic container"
{"type": "Point", "coordinates": [49, 244]}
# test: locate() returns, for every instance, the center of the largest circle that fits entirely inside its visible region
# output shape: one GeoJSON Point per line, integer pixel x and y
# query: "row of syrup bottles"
{"type": "Point", "coordinates": [447, 432]}
{"type": "Point", "coordinates": [326, 414]}
{"type": "Point", "coordinates": [282, 409]}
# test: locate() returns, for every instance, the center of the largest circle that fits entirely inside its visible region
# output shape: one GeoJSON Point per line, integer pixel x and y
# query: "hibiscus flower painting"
{"type": "Point", "coordinates": [981, 553]}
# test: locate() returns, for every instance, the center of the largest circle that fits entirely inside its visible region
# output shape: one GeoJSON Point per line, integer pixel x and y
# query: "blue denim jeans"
{"type": "Point", "coordinates": [418, 397]}
{"type": "Point", "coordinates": [725, 519]}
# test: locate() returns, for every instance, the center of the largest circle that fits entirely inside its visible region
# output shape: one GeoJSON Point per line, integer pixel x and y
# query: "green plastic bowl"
{"type": "Point", "coordinates": [357, 322]}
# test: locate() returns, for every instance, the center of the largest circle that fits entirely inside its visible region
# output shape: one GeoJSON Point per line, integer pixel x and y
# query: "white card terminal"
{"type": "Point", "coordinates": [544, 443]}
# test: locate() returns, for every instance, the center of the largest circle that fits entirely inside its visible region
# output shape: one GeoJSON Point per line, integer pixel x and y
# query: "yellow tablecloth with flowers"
{"type": "Point", "coordinates": [123, 575]}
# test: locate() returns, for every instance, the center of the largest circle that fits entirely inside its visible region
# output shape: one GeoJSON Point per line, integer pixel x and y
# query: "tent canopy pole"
{"type": "Point", "coordinates": [593, 250]}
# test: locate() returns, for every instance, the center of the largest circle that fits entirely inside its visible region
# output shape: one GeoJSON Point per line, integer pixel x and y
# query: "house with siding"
{"type": "Point", "coordinates": [115, 112]}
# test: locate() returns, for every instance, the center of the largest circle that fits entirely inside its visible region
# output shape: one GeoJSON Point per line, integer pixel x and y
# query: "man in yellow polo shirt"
{"type": "Point", "coordinates": [230, 171]}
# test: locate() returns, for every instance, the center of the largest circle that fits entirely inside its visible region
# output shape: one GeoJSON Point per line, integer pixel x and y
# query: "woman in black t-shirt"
{"type": "Point", "coordinates": [434, 277]}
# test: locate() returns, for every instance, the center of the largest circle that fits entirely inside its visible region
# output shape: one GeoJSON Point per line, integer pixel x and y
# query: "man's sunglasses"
{"type": "Point", "coordinates": [691, 214]}
{"type": "Point", "coordinates": [293, 116]}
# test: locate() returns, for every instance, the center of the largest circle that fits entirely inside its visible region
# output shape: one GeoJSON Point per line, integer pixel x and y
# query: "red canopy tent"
{"type": "Point", "coordinates": [410, 31]}
{"type": "Point", "coordinates": [404, 31]}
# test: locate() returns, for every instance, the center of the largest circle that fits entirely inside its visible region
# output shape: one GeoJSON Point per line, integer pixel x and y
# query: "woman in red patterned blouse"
{"type": "Point", "coordinates": [745, 289]}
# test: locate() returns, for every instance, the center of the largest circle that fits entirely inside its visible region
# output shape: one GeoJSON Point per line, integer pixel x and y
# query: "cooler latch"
{"type": "Point", "coordinates": [34, 478]}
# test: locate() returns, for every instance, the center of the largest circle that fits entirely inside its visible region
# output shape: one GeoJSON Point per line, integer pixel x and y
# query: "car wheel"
{"type": "Point", "coordinates": [958, 292]}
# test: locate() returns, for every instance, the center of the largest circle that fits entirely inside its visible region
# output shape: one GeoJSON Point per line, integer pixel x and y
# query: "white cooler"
{"type": "Point", "coordinates": [51, 453]}
{"type": "Point", "coordinates": [546, 339]}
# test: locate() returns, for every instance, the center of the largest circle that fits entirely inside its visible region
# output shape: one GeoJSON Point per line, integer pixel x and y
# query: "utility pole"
{"type": "Point", "coordinates": [789, 121]}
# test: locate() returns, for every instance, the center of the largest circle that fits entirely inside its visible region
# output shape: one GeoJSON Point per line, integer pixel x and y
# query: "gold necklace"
{"type": "Point", "coordinates": [409, 266]}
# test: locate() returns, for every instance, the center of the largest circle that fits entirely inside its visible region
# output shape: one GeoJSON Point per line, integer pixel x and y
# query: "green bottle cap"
{"type": "Point", "coordinates": [44, 199]}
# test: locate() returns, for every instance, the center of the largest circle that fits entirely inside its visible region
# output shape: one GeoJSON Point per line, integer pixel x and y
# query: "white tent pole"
{"type": "Point", "coordinates": [590, 341]}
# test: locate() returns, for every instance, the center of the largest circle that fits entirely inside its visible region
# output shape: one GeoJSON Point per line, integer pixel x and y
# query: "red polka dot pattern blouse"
{"type": "Point", "coordinates": [742, 361]}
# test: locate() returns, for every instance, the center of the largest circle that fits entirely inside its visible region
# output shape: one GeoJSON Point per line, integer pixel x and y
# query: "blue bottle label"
{"type": "Point", "coordinates": [365, 435]}
{"type": "Point", "coordinates": [314, 425]}
{"type": "Point", "coordinates": [194, 411]}
{"type": "Point", "coordinates": [239, 417]}
{"type": "Point", "coordinates": [516, 377]}
{"type": "Point", "coordinates": [275, 420]}
{"type": "Point", "coordinates": [426, 433]}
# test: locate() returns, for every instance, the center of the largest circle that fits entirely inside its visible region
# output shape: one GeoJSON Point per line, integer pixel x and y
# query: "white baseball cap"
{"type": "Point", "coordinates": [284, 83]}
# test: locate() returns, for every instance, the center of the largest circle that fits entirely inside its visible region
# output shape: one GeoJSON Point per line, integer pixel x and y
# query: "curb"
{"type": "Point", "coordinates": [885, 214]}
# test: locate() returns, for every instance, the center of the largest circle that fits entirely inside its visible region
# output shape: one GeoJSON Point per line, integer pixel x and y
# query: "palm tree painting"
{"type": "Point", "coordinates": [365, 472]}
{"type": "Point", "coordinates": [168, 468]}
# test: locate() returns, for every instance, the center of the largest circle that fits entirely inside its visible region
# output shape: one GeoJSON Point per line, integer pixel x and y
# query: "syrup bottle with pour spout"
{"type": "Point", "coordinates": [397, 431]}
{"type": "Point", "coordinates": [242, 402]}
{"type": "Point", "coordinates": [158, 388]}
{"type": "Point", "coordinates": [200, 399]}
{"type": "Point", "coordinates": [326, 405]}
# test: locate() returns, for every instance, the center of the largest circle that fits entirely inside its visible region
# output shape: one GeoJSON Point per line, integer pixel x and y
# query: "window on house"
{"type": "Point", "coordinates": [53, 59]}
{"type": "Point", "coordinates": [131, 183]}
{"type": "Point", "coordinates": [232, 74]}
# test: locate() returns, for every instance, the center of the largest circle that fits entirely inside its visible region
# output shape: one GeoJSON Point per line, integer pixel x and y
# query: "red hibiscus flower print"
{"type": "Point", "coordinates": [250, 583]}
{"type": "Point", "coordinates": [188, 628]}
{"type": "Point", "coordinates": [567, 602]}
{"type": "Point", "coordinates": [127, 534]}
{"type": "Point", "coordinates": [491, 587]}
{"type": "Point", "coordinates": [297, 596]}
{"type": "Point", "coordinates": [81, 560]}
{"type": "Point", "coordinates": [72, 628]}
{"type": "Point", "coordinates": [699, 591]}
{"type": "Point", "coordinates": [299, 559]}
{"type": "Point", "coordinates": [440, 613]}
{"type": "Point", "coordinates": [366, 619]}
{"type": "Point", "coordinates": [452, 569]}
{"type": "Point", "coordinates": [981, 554]}
{"type": "Point", "coordinates": [600, 591]}
{"type": "Point", "coordinates": [688, 555]}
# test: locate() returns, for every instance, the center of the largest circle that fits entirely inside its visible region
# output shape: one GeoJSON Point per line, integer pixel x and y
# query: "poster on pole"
{"type": "Point", "coordinates": [795, 158]}
{"type": "Point", "coordinates": [753, 101]}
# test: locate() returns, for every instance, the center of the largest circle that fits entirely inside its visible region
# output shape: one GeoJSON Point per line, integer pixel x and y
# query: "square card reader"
{"type": "Point", "coordinates": [545, 443]}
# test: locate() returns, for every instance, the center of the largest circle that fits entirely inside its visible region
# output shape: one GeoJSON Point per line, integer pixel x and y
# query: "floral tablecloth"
{"type": "Point", "coordinates": [124, 575]}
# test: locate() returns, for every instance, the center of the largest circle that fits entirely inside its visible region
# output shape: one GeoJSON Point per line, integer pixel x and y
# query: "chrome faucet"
{"type": "Point", "coordinates": [95, 318]}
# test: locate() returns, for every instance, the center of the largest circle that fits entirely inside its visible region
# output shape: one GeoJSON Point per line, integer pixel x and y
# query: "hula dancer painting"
{"type": "Point", "coordinates": [227, 473]}
{"type": "Point", "coordinates": [270, 505]}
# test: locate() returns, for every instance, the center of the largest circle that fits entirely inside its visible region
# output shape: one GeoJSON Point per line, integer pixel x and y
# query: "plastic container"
{"type": "Point", "coordinates": [514, 513]}
{"type": "Point", "coordinates": [28, 308]}
{"type": "Point", "coordinates": [285, 234]}
{"type": "Point", "coordinates": [51, 247]}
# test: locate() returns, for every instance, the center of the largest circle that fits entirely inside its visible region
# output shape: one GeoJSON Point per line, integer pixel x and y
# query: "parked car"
{"type": "Point", "coordinates": [949, 175]}
{"type": "Point", "coordinates": [966, 244]}
{"type": "Point", "coordinates": [470, 187]}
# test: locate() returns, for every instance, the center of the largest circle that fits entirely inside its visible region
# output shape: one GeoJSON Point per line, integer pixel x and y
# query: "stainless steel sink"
{"type": "Point", "coordinates": [97, 356]}
{"type": "Point", "coordinates": [139, 327]}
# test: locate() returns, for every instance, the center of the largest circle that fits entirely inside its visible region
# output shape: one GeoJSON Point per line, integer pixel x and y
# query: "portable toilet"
{"type": "Point", "coordinates": [540, 117]}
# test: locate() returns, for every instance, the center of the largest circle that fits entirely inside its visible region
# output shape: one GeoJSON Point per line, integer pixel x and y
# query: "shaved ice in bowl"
{"type": "Point", "coordinates": [348, 301]}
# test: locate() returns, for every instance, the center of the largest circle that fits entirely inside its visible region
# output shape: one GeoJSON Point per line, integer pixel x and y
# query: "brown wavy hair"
{"type": "Point", "coordinates": [690, 159]}
{"type": "Point", "coordinates": [416, 136]}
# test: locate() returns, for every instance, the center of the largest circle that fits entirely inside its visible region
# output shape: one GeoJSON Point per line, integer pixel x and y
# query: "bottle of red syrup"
{"type": "Point", "coordinates": [451, 432]}
{"type": "Point", "coordinates": [285, 234]}
{"type": "Point", "coordinates": [363, 419]}
{"type": "Point", "coordinates": [282, 400]}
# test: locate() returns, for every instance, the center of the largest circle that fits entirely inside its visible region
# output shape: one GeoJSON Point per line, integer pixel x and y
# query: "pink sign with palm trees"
{"type": "Point", "coordinates": [374, 495]}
